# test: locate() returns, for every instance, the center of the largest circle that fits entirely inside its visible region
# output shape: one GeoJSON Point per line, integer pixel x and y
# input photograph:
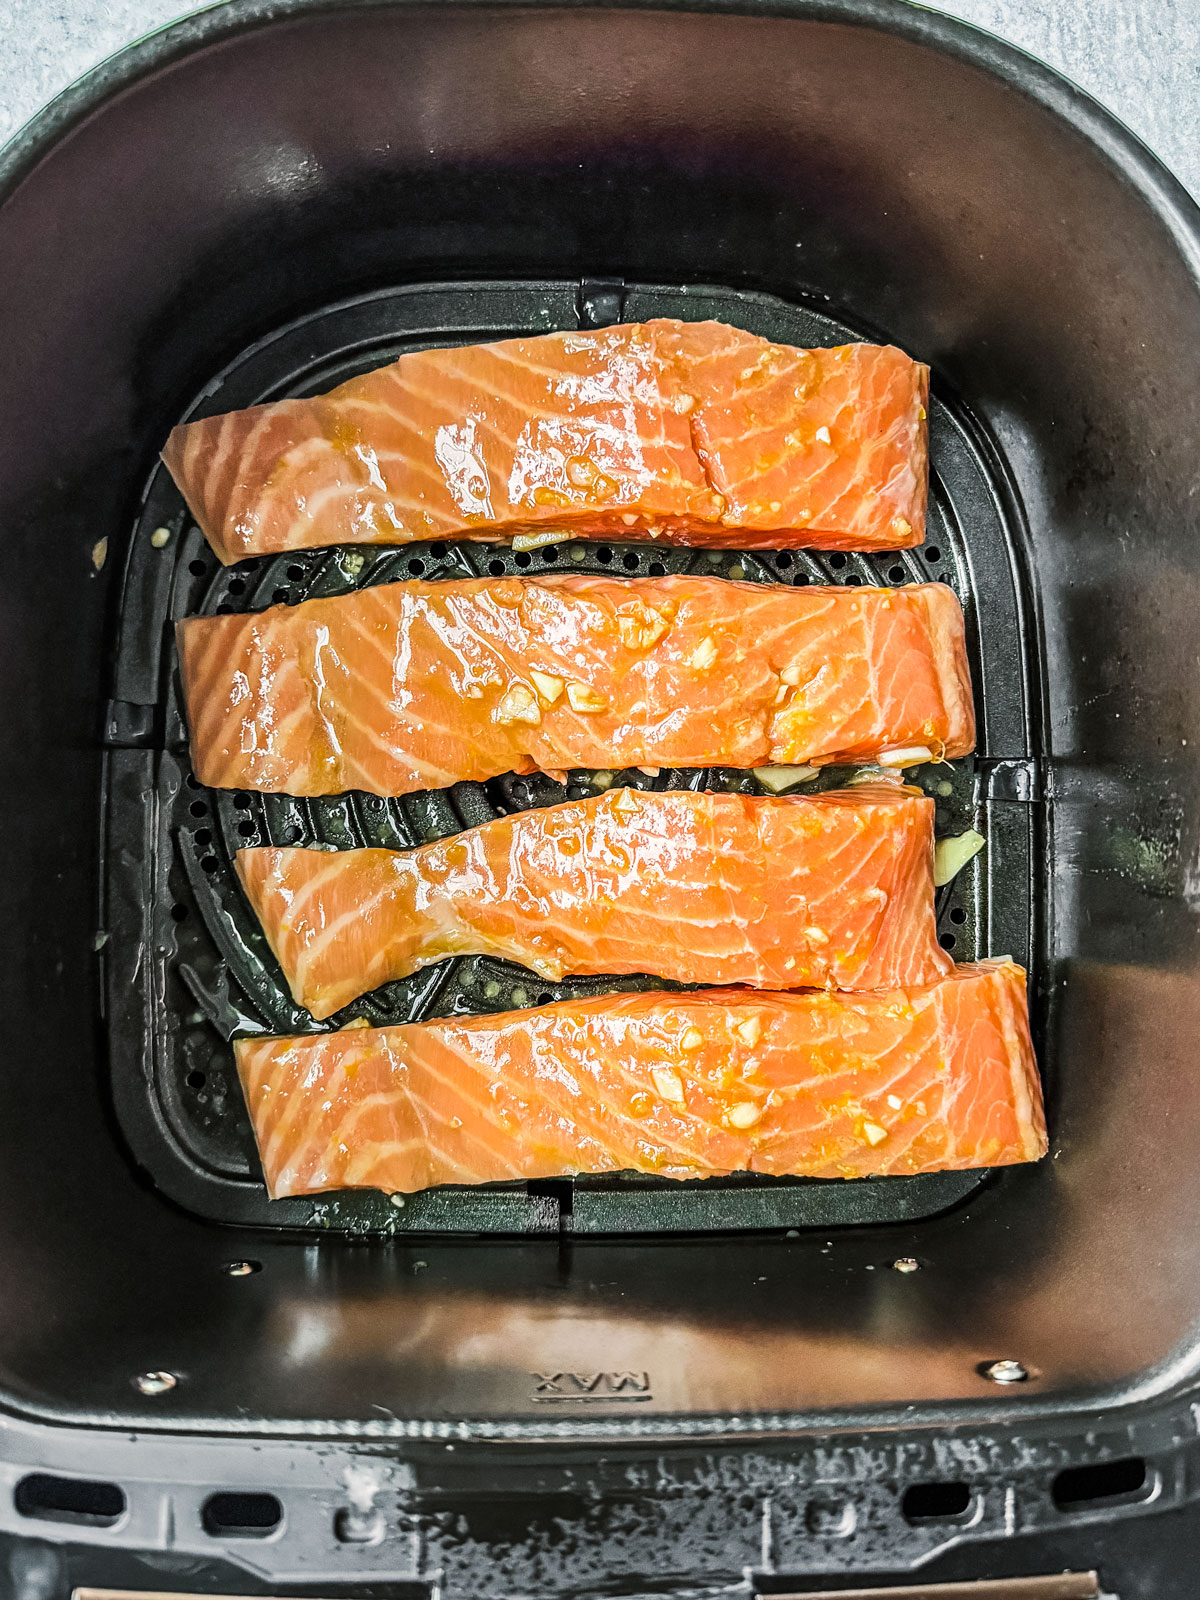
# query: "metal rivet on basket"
{"type": "Point", "coordinates": [1004, 1371]}
{"type": "Point", "coordinates": [241, 1269]}
{"type": "Point", "coordinates": [155, 1382]}
{"type": "Point", "coordinates": [906, 1264]}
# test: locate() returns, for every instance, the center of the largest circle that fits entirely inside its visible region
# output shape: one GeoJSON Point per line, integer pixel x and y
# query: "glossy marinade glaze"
{"type": "Point", "coordinates": [418, 685]}
{"type": "Point", "coordinates": [833, 890]}
{"type": "Point", "coordinates": [688, 1085]}
{"type": "Point", "coordinates": [692, 433]}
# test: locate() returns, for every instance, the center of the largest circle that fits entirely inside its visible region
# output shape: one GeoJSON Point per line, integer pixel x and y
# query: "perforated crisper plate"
{"type": "Point", "coordinates": [186, 969]}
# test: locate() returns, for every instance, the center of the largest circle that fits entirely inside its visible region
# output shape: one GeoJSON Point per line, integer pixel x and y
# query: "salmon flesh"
{"type": "Point", "coordinates": [831, 890]}
{"type": "Point", "coordinates": [692, 433]}
{"type": "Point", "coordinates": [418, 685]}
{"type": "Point", "coordinates": [692, 1085]}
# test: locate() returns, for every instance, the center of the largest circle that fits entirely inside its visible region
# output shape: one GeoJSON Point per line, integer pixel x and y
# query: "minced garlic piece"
{"type": "Point", "coordinates": [750, 1031]}
{"type": "Point", "coordinates": [640, 626]}
{"type": "Point", "coordinates": [547, 685]}
{"type": "Point", "coordinates": [910, 756]}
{"type": "Point", "coordinates": [534, 541]}
{"type": "Point", "coordinates": [777, 779]}
{"type": "Point", "coordinates": [519, 705]}
{"type": "Point", "coordinates": [704, 654]}
{"type": "Point", "coordinates": [585, 699]}
{"type": "Point", "coordinates": [950, 856]}
{"type": "Point", "coordinates": [669, 1084]}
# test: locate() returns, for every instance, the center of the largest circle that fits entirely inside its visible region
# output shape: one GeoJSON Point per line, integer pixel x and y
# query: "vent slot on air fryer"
{"type": "Point", "coordinates": [1101, 1483]}
{"type": "Point", "coordinates": [89, 1502]}
{"type": "Point", "coordinates": [241, 1515]}
{"type": "Point", "coordinates": [936, 1502]}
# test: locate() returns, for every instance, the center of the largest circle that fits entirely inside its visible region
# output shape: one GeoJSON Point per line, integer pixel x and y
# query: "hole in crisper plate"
{"type": "Point", "coordinates": [232, 1514]}
{"type": "Point", "coordinates": [1077, 1488]}
{"type": "Point", "coordinates": [935, 1502]}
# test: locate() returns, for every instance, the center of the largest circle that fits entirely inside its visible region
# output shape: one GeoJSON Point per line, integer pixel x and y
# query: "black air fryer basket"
{"type": "Point", "coordinates": [606, 1386]}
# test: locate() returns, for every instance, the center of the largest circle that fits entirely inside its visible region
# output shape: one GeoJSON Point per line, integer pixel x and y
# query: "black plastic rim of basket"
{"type": "Point", "coordinates": [963, 41]}
{"type": "Point", "coordinates": [187, 968]}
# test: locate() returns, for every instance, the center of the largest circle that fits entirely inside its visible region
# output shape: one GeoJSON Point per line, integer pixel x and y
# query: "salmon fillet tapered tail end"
{"type": "Point", "coordinates": [684, 1085]}
{"type": "Point", "coordinates": [832, 890]}
{"type": "Point", "coordinates": [694, 433]}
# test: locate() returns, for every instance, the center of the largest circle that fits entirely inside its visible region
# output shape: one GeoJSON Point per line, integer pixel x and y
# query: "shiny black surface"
{"type": "Point", "coordinates": [938, 189]}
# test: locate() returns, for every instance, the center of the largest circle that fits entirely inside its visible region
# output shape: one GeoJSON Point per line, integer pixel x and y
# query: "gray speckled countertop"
{"type": "Point", "coordinates": [1141, 58]}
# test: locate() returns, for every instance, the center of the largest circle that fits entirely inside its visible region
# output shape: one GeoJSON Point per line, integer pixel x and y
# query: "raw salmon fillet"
{"type": "Point", "coordinates": [417, 685]}
{"type": "Point", "coordinates": [695, 433]}
{"type": "Point", "coordinates": [817, 1085]}
{"type": "Point", "coordinates": [832, 890]}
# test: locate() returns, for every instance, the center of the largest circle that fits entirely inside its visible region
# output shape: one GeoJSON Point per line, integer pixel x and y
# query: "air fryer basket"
{"type": "Point", "coordinates": [601, 1384]}
{"type": "Point", "coordinates": [186, 966]}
